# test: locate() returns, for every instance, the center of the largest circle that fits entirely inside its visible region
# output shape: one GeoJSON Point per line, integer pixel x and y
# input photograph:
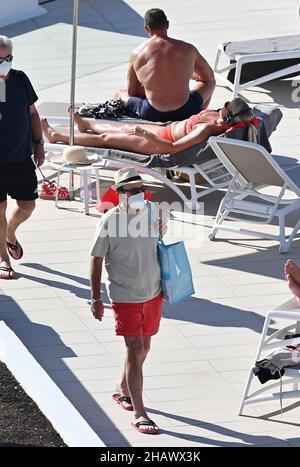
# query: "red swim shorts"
{"type": "Point", "coordinates": [138, 319]}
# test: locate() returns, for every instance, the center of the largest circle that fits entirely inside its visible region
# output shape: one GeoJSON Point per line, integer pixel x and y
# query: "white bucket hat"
{"type": "Point", "coordinates": [74, 155]}
{"type": "Point", "coordinates": [126, 176]}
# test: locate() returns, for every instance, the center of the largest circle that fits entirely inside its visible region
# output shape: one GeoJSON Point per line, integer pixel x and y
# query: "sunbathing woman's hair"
{"type": "Point", "coordinates": [156, 19]}
{"type": "Point", "coordinates": [239, 111]}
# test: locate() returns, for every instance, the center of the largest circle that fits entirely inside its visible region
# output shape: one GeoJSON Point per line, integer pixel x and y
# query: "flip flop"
{"type": "Point", "coordinates": [123, 401]}
{"type": "Point", "coordinates": [142, 427]}
{"type": "Point", "coordinates": [15, 251]}
{"type": "Point", "coordinates": [10, 273]}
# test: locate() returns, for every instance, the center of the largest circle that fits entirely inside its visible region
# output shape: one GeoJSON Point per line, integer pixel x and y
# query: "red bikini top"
{"type": "Point", "coordinates": [195, 119]}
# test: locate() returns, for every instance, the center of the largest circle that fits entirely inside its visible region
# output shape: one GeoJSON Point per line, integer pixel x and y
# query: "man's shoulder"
{"type": "Point", "coordinates": [17, 73]}
{"type": "Point", "coordinates": [140, 48]}
{"type": "Point", "coordinates": [181, 43]}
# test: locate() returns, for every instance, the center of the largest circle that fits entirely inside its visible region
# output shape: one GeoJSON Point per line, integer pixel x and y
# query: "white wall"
{"type": "Point", "coordinates": [13, 11]}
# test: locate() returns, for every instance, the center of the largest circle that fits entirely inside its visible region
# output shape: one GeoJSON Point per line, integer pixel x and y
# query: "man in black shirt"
{"type": "Point", "coordinates": [19, 129]}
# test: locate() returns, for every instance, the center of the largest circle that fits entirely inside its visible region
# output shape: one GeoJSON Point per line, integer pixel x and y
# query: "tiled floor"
{"type": "Point", "coordinates": [197, 368]}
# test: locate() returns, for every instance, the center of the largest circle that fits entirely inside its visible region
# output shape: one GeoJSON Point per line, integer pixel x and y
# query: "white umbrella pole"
{"type": "Point", "coordinates": [72, 92]}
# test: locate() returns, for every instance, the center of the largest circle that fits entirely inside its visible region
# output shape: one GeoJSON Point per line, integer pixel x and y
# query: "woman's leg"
{"type": "Point", "coordinates": [84, 125]}
{"type": "Point", "coordinates": [114, 140]}
{"type": "Point", "coordinates": [114, 127]}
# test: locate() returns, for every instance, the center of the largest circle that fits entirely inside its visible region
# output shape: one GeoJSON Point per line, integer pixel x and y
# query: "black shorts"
{"type": "Point", "coordinates": [18, 181]}
{"type": "Point", "coordinates": [144, 109]}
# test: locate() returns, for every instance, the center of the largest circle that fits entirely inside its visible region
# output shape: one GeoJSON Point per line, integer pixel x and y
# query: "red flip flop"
{"type": "Point", "coordinates": [123, 401]}
{"type": "Point", "coordinates": [15, 251]}
{"type": "Point", "coordinates": [147, 427]}
{"type": "Point", "coordinates": [7, 273]}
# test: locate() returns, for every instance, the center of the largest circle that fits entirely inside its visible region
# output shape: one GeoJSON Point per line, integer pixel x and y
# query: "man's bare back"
{"type": "Point", "coordinates": [160, 71]}
{"type": "Point", "coordinates": [165, 66]}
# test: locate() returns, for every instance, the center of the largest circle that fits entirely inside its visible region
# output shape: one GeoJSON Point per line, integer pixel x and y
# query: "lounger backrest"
{"type": "Point", "coordinates": [250, 161]}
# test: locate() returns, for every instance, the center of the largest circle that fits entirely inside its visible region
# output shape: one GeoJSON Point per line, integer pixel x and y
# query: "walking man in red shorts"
{"type": "Point", "coordinates": [127, 237]}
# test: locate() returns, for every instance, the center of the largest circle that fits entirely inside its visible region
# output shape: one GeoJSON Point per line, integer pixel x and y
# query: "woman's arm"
{"type": "Point", "coordinates": [200, 134]}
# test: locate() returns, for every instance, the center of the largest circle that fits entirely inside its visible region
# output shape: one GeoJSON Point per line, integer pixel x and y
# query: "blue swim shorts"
{"type": "Point", "coordinates": [144, 109]}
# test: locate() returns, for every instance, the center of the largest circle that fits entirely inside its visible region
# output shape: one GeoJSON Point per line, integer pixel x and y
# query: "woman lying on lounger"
{"type": "Point", "coordinates": [151, 139]}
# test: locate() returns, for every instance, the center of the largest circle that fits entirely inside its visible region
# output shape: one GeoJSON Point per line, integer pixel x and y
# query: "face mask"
{"type": "Point", "coordinates": [136, 201]}
{"type": "Point", "coordinates": [4, 68]}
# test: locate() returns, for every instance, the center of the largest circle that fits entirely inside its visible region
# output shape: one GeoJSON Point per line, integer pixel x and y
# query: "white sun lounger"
{"type": "Point", "coordinates": [252, 168]}
{"type": "Point", "coordinates": [270, 391]}
{"type": "Point", "coordinates": [212, 171]}
{"type": "Point", "coordinates": [271, 49]}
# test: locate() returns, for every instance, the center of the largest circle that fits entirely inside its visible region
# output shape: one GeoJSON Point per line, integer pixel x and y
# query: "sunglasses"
{"type": "Point", "coordinates": [7, 59]}
{"type": "Point", "coordinates": [133, 191]}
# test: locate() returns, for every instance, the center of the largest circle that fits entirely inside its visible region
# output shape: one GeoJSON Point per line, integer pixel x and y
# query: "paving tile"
{"type": "Point", "coordinates": [85, 374]}
{"type": "Point", "coordinates": [179, 368]}
{"type": "Point", "coordinates": [203, 391]}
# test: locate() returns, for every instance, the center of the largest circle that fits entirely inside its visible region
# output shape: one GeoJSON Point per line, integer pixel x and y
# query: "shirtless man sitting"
{"type": "Point", "coordinates": [292, 275]}
{"type": "Point", "coordinates": [159, 73]}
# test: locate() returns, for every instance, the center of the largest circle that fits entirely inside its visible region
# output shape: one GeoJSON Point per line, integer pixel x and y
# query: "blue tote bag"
{"type": "Point", "coordinates": [176, 274]}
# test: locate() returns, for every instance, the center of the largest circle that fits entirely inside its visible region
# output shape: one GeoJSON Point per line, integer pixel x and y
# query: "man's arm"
{"type": "Point", "coordinates": [203, 76]}
{"type": "Point", "coordinates": [134, 87]}
{"type": "Point", "coordinates": [95, 281]}
{"type": "Point", "coordinates": [39, 154]}
{"type": "Point", "coordinates": [202, 70]}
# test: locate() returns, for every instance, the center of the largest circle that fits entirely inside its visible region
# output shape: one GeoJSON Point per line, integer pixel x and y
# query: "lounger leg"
{"type": "Point", "coordinates": [217, 58]}
{"type": "Point", "coordinates": [251, 375]}
{"type": "Point", "coordinates": [237, 78]}
{"type": "Point", "coordinates": [57, 187]}
{"type": "Point", "coordinates": [85, 191]}
{"type": "Point", "coordinates": [97, 184]}
{"type": "Point", "coordinates": [221, 214]}
{"type": "Point", "coordinates": [71, 185]}
{"type": "Point", "coordinates": [193, 191]}
{"type": "Point", "coordinates": [285, 245]}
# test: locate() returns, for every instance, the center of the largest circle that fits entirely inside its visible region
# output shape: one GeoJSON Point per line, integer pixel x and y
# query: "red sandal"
{"type": "Point", "coordinates": [48, 191]}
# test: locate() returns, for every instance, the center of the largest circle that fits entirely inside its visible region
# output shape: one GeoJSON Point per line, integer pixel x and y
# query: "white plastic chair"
{"type": "Point", "coordinates": [268, 343]}
{"type": "Point", "coordinates": [252, 168]}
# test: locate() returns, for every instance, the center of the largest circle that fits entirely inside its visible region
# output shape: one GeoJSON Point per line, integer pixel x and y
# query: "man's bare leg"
{"type": "Point", "coordinates": [205, 89]}
{"type": "Point", "coordinates": [22, 212]}
{"type": "Point", "coordinates": [122, 386]}
{"type": "Point", "coordinates": [6, 272]}
{"type": "Point", "coordinates": [137, 350]}
{"type": "Point", "coordinates": [122, 94]}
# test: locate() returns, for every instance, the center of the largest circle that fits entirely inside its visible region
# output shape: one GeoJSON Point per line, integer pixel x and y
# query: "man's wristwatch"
{"type": "Point", "coordinates": [95, 300]}
{"type": "Point", "coordinates": [39, 141]}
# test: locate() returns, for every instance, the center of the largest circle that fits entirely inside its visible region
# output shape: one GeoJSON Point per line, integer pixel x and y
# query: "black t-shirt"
{"type": "Point", "coordinates": [15, 127]}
